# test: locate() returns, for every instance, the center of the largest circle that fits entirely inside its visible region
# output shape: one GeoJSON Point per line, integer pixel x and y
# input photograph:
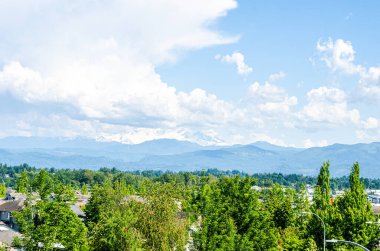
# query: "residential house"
{"type": "Point", "coordinates": [6, 210]}
{"type": "Point", "coordinates": [7, 234]}
{"type": "Point", "coordinates": [374, 198]}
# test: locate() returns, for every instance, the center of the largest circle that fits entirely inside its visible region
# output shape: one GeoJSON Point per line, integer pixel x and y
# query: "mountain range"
{"type": "Point", "coordinates": [174, 155]}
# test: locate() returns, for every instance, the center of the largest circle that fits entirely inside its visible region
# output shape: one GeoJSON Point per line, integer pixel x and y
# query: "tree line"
{"type": "Point", "coordinates": [76, 178]}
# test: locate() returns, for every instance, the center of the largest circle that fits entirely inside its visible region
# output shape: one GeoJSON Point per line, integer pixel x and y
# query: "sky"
{"type": "Point", "coordinates": [292, 73]}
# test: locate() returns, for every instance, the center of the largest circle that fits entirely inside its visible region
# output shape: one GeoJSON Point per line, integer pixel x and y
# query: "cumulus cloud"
{"type": "Point", "coordinates": [371, 123]}
{"type": "Point", "coordinates": [339, 55]}
{"type": "Point", "coordinates": [271, 99]}
{"type": "Point", "coordinates": [97, 61]}
{"type": "Point", "coordinates": [369, 129]}
{"type": "Point", "coordinates": [99, 58]}
{"type": "Point", "coordinates": [236, 58]}
{"type": "Point", "coordinates": [328, 105]}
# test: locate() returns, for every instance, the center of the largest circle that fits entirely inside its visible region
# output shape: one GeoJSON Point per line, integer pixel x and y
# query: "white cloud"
{"type": "Point", "coordinates": [97, 61]}
{"type": "Point", "coordinates": [270, 99]}
{"type": "Point", "coordinates": [153, 29]}
{"type": "Point", "coordinates": [276, 76]}
{"type": "Point", "coordinates": [340, 56]}
{"type": "Point", "coordinates": [88, 56]}
{"type": "Point", "coordinates": [371, 123]}
{"type": "Point", "coordinates": [236, 58]}
{"type": "Point", "coordinates": [328, 105]}
{"type": "Point", "coordinates": [369, 129]}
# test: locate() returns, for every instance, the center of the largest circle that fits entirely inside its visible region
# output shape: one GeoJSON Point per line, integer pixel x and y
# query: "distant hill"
{"type": "Point", "coordinates": [170, 154]}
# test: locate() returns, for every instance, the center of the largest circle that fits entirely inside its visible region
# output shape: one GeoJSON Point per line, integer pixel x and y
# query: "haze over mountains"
{"type": "Point", "coordinates": [174, 155]}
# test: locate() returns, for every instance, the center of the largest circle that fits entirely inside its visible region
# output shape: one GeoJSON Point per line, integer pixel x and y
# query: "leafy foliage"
{"type": "Point", "coordinates": [3, 190]}
{"type": "Point", "coordinates": [50, 223]}
{"type": "Point", "coordinates": [200, 210]}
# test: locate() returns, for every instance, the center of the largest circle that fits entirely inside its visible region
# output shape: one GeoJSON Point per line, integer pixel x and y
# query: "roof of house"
{"type": "Point", "coordinates": [376, 209]}
{"type": "Point", "coordinates": [7, 234]}
{"type": "Point", "coordinates": [11, 205]}
{"type": "Point", "coordinates": [76, 209]}
{"type": "Point", "coordinates": [373, 196]}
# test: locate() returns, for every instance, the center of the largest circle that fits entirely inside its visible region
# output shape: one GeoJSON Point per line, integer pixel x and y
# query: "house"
{"type": "Point", "coordinates": [374, 198]}
{"type": "Point", "coordinates": [376, 210]}
{"type": "Point", "coordinates": [13, 195]}
{"type": "Point", "coordinates": [7, 234]}
{"type": "Point", "coordinates": [6, 210]}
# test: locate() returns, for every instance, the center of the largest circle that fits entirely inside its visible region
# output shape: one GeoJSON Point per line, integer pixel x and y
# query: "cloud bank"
{"type": "Point", "coordinates": [89, 68]}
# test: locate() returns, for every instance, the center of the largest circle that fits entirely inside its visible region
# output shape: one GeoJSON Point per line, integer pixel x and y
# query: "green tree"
{"type": "Point", "coordinates": [322, 207]}
{"type": "Point", "coordinates": [116, 231]}
{"type": "Point", "coordinates": [22, 183]}
{"type": "Point", "coordinates": [356, 211]}
{"type": "Point", "coordinates": [50, 223]}
{"type": "Point", "coordinates": [233, 218]}
{"type": "Point", "coordinates": [43, 184]}
{"type": "Point", "coordinates": [119, 221]}
{"type": "Point", "coordinates": [84, 189]}
{"type": "Point", "coordinates": [160, 220]}
{"type": "Point", "coordinates": [111, 220]}
{"type": "Point", "coordinates": [64, 193]}
{"type": "Point", "coordinates": [280, 206]}
{"type": "Point", "coordinates": [310, 245]}
{"type": "Point", "coordinates": [301, 201]}
{"type": "Point", "coordinates": [322, 194]}
{"type": "Point", "coordinates": [3, 190]}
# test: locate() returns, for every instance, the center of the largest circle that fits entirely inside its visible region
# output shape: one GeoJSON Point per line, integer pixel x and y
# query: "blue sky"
{"type": "Point", "coordinates": [299, 73]}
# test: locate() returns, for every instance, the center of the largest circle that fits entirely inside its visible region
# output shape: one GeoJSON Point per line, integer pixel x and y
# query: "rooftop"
{"type": "Point", "coordinates": [7, 234]}
{"type": "Point", "coordinates": [11, 205]}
